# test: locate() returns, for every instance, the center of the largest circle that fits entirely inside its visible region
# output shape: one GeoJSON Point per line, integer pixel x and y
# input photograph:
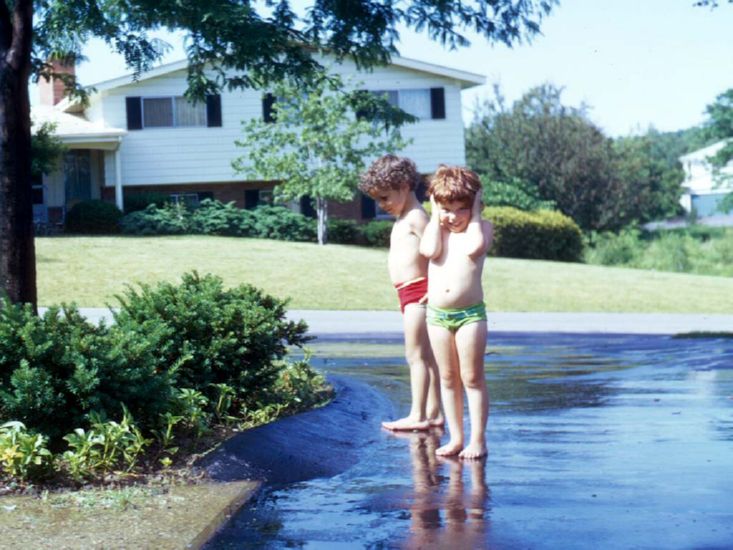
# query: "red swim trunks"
{"type": "Point", "coordinates": [412, 292]}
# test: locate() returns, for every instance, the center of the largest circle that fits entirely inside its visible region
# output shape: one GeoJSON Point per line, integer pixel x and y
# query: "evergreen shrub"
{"type": "Point", "coordinates": [540, 235]}
{"type": "Point", "coordinates": [172, 219]}
{"type": "Point", "coordinates": [57, 368]}
{"type": "Point", "coordinates": [93, 217]}
{"type": "Point", "coordinates": [377, 233]}
{"type": "Point", "coordinates": [342, 231]}
{"type": "Point", "coordinates": [213, 217]}
{"type": "Point", "coordinates": [215, 335]}
{"type": "Point", "coordinates": [278, 222]}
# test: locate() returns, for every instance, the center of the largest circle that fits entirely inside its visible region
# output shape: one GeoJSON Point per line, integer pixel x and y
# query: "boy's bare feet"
{"type": "Point", "coordinates": [437, 422]}
{"type": "Point", "coordinates": [406, 424]}
{"type": "Point", "coordinates": [449, 449]}
{"type": "Point", "coordinates": [473, 451]}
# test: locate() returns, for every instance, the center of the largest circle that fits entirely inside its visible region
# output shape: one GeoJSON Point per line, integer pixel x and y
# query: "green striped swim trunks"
{"type": "Point", "coordinates": [455, 318]}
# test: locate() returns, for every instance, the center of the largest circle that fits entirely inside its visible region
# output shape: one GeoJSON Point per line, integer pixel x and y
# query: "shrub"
{"type": "Point", "coordinates": [343, 231]}
{"type": "Point", "coordinates": [135, 202]}
{"type": "Point", "coordinates": [215, 218]}
{"type": "Point", "coordinates": [541, 235]}
{"type": "Point", "coordinates": [172, 219]}
{"type": "Point", "coordinates": [377, 232]}
{"type": "Point", "coordinates": [669, 252]}
{"type": "Point", "coordinates": [614, 249]}
{"type": "Point", "coordinates": [95, 217]}
{"type": "Point", "coordinates": [56, 369]}
{"type": "Point", "coordinates": [23, 454]}
{"type": "Point", "coordinates": [215, 335]}
{"type": "Point", "coordinates": [104, 447]}
{"type": "Point", "coordinates": [278, 222]}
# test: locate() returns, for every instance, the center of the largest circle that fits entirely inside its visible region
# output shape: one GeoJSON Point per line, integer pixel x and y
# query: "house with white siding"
{"type": "Point", "coordinates": [703, 188]}
{"type": "Point", "coordinates": [143, 135]}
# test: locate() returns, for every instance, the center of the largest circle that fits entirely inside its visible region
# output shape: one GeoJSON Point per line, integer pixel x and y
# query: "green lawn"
{"type": "Point", "coordinates": [90, 270]}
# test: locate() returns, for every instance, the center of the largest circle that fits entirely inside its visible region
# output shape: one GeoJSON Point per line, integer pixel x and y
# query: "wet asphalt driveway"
{"type": "Point", "coordinates": [595, 441]}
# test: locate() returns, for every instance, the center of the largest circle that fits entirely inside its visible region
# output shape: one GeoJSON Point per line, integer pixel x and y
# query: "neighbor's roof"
{"type": "Point", "coordinates": [71, 128]}
{"type": "Point", "coordinates": [704, 153]}
{"type": "Point", "coordinates": [466, 79]}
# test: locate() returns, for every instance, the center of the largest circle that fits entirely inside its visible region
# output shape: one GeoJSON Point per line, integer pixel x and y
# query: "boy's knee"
{"type": "Point", "coordinates": [473, 380]}
{"type": "Point", "coordinates": [449, 380]}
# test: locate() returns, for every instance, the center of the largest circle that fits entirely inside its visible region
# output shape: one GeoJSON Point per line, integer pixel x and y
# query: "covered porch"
{"type": "Point", "coordinates": [91, 160]}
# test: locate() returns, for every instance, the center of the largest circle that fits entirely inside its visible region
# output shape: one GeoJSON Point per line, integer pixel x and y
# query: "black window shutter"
{"type": "Point", "coordinates": [437, 102]}
{"type": "Point", "coordinates": [133, 105]}
{"type": "Point", "coordinates": [213, 111]}
{"type": "Point", "coordinates": [368, 208]}
{"type": "Point", "coordinates": [251, 198]}
{"type": "Point", "coordinates": [268, 114]}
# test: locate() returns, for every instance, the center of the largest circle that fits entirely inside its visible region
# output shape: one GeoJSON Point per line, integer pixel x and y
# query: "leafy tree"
{"type": "Point", "coordinates": [555, 149]}
{"type": "Point", "coordinates": [319, 140]}
{"type": "Point", "coordinates": [719, 126]}
{"type": "Point", "coordinates": [540, 146]}
{"type": "Point", "coordinates": [46, 149]}
{"type": "Point", "coordinates": [257, 41]}
{"type": "Point", "coordinates": [649, 165]}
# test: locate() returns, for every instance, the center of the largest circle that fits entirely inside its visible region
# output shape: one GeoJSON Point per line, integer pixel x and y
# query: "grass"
{"type": "Point", "coordinates": [91, 270]}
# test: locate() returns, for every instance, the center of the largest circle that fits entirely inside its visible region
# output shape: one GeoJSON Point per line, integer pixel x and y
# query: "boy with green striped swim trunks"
{"type": "Point", "coordinates": [456, 241]}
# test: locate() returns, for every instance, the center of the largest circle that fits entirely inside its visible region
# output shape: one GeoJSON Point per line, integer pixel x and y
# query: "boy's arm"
{"type": "Point", "coordinates": [431, 242]}
{"type": "Point", "coordinates": [476, 240]}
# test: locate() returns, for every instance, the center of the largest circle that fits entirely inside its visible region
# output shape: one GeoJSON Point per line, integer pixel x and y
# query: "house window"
{"type": "Point", "coordinates": [37, 189]}
{"type": "Point", "coordinates": [168, 112]}
{"type": "Point", "coordinates": [172, 112]}
{"type": "Point", "coordinates": [423, 103]}
{"type": "Point", "coordinates": [415, 102]}
{"type": "Point", "coordinates": [256, 197]}
{"type": "Point", "coordinates": [190, 200]}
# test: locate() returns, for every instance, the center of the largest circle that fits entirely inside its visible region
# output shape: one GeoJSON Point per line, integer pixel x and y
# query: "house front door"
{"type": "Point", "coordinates": [77, 177]}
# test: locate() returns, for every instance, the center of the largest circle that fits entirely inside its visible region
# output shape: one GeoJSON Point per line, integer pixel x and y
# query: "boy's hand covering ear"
{"type": "Point", "coordinates": [476, 210]}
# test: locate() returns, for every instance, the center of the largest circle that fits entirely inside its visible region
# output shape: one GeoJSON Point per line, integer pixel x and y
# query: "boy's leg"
{"type": "Point", "coordinates": [451, 389]}
{"type": "Point", "coordinates": [471, 348]}
{"type": "Point", "coordinates": [418, 356]}
{"type": "Point", "coordinates": [433, 410]}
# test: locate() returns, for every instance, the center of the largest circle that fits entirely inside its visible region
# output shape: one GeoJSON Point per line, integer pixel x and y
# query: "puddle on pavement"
{"type": "Point", "coordinates": [625, 441]}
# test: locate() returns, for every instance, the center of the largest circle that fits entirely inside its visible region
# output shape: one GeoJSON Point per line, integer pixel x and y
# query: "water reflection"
{"type": "Point", "coordinates": [450, 505]}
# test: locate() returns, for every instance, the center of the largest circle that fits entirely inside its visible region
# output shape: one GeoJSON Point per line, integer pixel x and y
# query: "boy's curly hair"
{"type": "Point", "coordinates": [389, 172]}
{"type": "Point", "coordinates": [454, 184]}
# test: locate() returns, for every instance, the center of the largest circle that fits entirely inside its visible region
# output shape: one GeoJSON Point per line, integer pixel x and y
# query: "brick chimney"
{"type": "Point", "coordinates": [52, 90]}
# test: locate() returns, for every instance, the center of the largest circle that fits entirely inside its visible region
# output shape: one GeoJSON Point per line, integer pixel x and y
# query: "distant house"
{"type": "Point", "coordinates": [702, 189]}
{"type": "Point", "coordinates": [142, 135]}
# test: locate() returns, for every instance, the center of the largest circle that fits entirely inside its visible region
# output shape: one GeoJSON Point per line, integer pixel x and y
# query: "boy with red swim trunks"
{"type": "Point", "coordinates": [391, 181]}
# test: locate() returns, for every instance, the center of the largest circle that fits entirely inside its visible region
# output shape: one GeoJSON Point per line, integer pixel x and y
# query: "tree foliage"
{"type": "Point", "coordinates": [46, 149]}
{"type": "Point", "coordinates": [551, 146]}
{"type": "Point", "coordinates": [719, 126]}
{"type": "Point", "coordinates": [556, 152]}
{"type": "Point", "coordinates": [319, 141]}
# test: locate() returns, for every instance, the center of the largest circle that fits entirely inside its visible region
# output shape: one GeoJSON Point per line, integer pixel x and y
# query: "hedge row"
{"type": "Point", "coordinates": [541, 235]}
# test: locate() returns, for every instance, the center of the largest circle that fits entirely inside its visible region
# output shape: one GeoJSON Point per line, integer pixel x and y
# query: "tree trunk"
{"type": "Point", "coordinates": [17, 250]}
{"type": "Point", "coordinates": [322, 210]}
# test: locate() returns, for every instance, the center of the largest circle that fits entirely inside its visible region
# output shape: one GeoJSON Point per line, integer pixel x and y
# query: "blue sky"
{"type": "Point", "coordinates": [635, 63]}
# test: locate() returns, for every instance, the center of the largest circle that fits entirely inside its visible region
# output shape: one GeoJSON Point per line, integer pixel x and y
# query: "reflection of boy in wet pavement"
{"type": "Point", "coordinates": [445, 517]}
{"type": "Point", "coordinates": [456, 241]}
{"type": "Point", "coordinates": [391, 181]}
